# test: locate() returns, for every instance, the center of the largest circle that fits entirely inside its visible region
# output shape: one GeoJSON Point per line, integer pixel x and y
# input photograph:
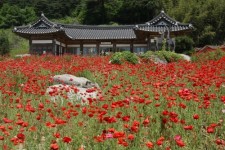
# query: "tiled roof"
{"type": "Point", "coordinates": [154, 28]}
{"type": "Point", "coordinates": [160, 23]}
{"type": "Point", "coordinates": [31, 30]}
{"type": "Point", "coordinates": [100, 32]}
{"type": "Point", "coordinates": [41, 26]}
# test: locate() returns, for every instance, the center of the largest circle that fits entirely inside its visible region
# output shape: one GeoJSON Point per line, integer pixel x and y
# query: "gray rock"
{"type": "Point", "coordinates": [72, 88]}
{"type": "Point", "coordinates": [71, 93]}
{"type": "Point", "coordinates": [22, 55]}
{"type": "Point", "coordinates": [157, 60]}
{"type": "Point", "coordinates": [186, 57]}
{"type": "Point", "coordinates": [73, 80]}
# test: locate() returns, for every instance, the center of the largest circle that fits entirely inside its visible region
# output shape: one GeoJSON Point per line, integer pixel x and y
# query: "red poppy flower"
{"type": "Point", "coordinates": [130, 137]}
{"type": "Point", "coordinates": [67, 139]}
{"type": "Point", "coordinates": [160, 140]}
{"type": "Point", "coordinates": [188, 127]}
{"type": "Point", "coordinates": [146, 121]}
{"type": "Point", "coordinates": [210, 129]}
{"type": "Point", "coordinates": [196, 116]}
{"type": "Point", "coordinates": [126, 118]}
{"type": "Point", "coordinates": [180, 143]}
{"type": "Point", "coordinates": [118, 134]}
{"type": "Point", "coordinates": [149, 144]}
{"type": "Point", "coordinates": [21, 136]}
{"type": "Point", "coordinates": [6, 120]}
{"type": "Point", "coordinates": [57, 135]}
{"type": "Point", "coordinates": [1, 138]}
{"type": "Point", "coordinates": [54, 146]}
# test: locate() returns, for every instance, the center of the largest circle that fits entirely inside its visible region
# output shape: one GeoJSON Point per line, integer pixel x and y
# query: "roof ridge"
{"type": "Point", "coordinates": [97, 26]}
{"type": "Point", "coordinates": [166, 17]}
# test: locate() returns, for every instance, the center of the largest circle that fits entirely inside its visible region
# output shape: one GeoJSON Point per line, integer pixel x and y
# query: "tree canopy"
{"type": "Point", "coordinates": [207, 16]}
{"type": "Point", "coordinates": [4, 44]}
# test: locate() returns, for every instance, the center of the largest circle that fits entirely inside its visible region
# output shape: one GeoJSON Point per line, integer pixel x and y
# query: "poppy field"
{"type": "Point", "coordinates": [171, 106]}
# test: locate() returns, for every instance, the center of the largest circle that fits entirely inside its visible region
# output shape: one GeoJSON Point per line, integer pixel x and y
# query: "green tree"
{"type": "Point", "coordinates": [9, 16]}
{"type": "Point", "coordinates": [94, 12]}
{"type": "Point", "coordinates": [14, 16]}
{"type": "Point", "coordinates": [112, 9]}
{"type": "Point", "coordinates": [28, 15]}
{"type": "Point", "coordinates": [55, 8]}
{"type": "Point", "coordinates": [207, 16]}
{"type": "Point", "coordinates": [20, 3]}
{"type": "Point", "coordinates": [183, 44]}
{"type": "Point", "coordinates": [4, 44]}
{"type": "Point", "coordinates": [134, 11]}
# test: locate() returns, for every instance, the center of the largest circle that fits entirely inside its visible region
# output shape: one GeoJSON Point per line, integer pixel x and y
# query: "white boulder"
{"type": "Point", "coordinates": [73, 80]}
{"type": "Point", "coordinates": [157, 60]}
{"type": "Point", "coordinates": [186, 57]}
{"type": "Point", "coordinates": [72, 93]}
{"type": "Point", "coordinates": [23, 55]}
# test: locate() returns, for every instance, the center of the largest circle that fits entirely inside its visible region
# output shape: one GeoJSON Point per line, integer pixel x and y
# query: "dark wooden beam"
{"type": "Point", "coordinates": [54, 47]}
{"type": "Point", "coordinates": [131, 46]}
{"type": "Point", "coordinates": [98, 48]}
{"type": "Point", "coordinates": [81, 48]}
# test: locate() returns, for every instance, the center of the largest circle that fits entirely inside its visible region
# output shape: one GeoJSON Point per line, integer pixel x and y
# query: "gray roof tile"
{"type": "Point", "coordinates": [159, 24]}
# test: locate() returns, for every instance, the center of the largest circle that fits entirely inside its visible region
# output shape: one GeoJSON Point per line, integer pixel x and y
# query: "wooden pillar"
{"type": "Point", "coordinates": [60, 49]}
{"type": "Point", "coordinates": [98, 48]}
{"type": "Point", "coordinates": [81, 49]}
{"type": "Point", "coordinates": [30, 46]}
{"type": "Point", "coordinates": [148, 43]}
{"type": "Point", "coordinates": [114, 47]}
{"type": "Point", "coordinates": [132, 47]}
{"type": "Point", "coordinates": [54, 47]}
{"type": "Point", "coordinates": [174, 42]}
{"type": "Point", "coordinates": [65, 51]}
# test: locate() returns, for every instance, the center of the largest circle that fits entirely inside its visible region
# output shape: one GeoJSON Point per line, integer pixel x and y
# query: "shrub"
{"type": "Point", "coordinates": [147, 55]}
{"type": "Point", "coordinates": [211, 55]}
{"type": "Point", "coordinates": [167, 56]}
{"type": "Point", "coordinates": [4, 44]}
{"type": "Point", "coordinates": [120, 57]}
{"type": "Point", "coordinates": [130, 57]}
{"type": "Point", "coordinates": [116, 58]}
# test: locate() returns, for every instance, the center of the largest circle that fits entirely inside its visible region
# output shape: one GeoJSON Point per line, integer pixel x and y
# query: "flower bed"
{"type": "Point", "coordinates": [143, 106]}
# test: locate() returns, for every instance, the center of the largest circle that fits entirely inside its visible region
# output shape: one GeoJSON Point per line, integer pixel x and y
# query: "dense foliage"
{"type": "Point", "coordinates": [184, 43]}
{"type": "Point", "coordinates": [125, 56]}
{"type": "Point", "coordinates": [141, 107]}
{"type": "Point", "coordinates": [12, 15]}
{"type": "Point", "coordinates": [207, 16]}
{"type": "Point", "coordinates": [166, 56]}
{"type": "Point", "coordinates": [4, 44]}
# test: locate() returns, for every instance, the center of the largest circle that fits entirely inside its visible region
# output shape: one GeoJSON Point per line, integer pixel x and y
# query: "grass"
{"type": "Point", "coordinates": [18, 45]}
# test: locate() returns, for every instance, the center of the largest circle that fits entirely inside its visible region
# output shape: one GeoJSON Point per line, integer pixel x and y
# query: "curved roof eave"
{"type": "Point", "coordinates": [163, 15]}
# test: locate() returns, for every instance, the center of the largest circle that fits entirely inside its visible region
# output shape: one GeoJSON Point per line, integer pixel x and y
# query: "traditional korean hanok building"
{"type": "Point", "coordinates": [56, 38]}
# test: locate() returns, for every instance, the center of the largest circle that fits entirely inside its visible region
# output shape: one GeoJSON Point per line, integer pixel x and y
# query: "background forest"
{"type": "Point", "coordinates": [207, 16]}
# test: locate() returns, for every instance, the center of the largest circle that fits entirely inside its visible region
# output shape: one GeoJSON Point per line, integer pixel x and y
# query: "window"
{"type": "Point", "coordinates": [140, 48]}
{"type": "Point", "coordinates": [106, 49]}
{"type": "Point", "coordinates": [122, 47]}
{"type": "Point", "coordinates": [73, 50]}
{"type": "Point", "coordinates": [41, 48]}
{"type": "Point", "coordinates": [89, 50]}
